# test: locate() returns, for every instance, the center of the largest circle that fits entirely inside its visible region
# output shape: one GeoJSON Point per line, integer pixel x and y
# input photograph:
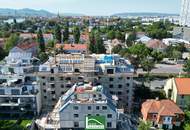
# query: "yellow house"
{"type": "Point", "coordinates": [178, 90]}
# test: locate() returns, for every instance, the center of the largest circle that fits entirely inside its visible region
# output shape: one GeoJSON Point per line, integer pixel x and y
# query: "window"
{"type": "Point", "coordinates": [44, 91]}
{"type": "Point", "coordinates": [52, 92]}
{"type": "Point", "coordinates": [97, 108]}
{"type": "Point", "coordinates": [43, 77]}
{"type": "Point", "coordinates": [120, 86]}
{"type": "Point", "coordinates": [89, 107]}
{"type": "Point", "coordinates": [76, 124]}
{"type": "Point", "coordinates": [104, 107]}
{"type": "Point", "coordinates": [52, 85]}
{"type": "Point", "coordinates": [111, 86]}
{"type": "Point", "coordinates": [61, 78]}
{"type": "Point", "coordinates": [52, 70]}
{"type": "Point", "coordinates": [45, 97]}
{"type": "Point", "coordinates": [44, 84]}
{"type": "Point", "coordinates": [52, 78]}
{"type": "Point", "coordinates": [94, 95]}
{"type": "Point", "coordinates": [127, 84]}
{"type": "Point", "coordinates": [182, 96]}
{"type": "Point", "coordinates": [109, 124]}
{"type": "Point", "coordinates": [68, 78]}
{"type": "Point", "coordinates": [127, 91]}
{"type": "Point", "coordinates": [109, 116]}
{"type": "Point", "coordinates": [76, 115]}
{"type": "Point", "coordinates": [62, 86]}
{"type": "Point", "coordinates": [75, 107]}
{"type": "Point", "coordinates": [111, 79]}
{"type": "Point", "coordinates": [119, 93]}
{"type": "Point", "coordinates": [97, 114]}
{"type": "Point", "coordinates": [63, 92]}
{"type": "Point", "coordinates": [120, 78]}
{"type": "Point", "coordinates": [110, 71]}
{"type": "Point", "coordinates": [128, 78]}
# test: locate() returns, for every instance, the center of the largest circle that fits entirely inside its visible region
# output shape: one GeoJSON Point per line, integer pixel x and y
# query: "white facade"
{"type": "Point", "coordinates": [185, 13]}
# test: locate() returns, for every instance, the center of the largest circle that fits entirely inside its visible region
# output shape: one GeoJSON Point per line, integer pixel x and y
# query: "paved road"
{"type": "Point", "coordinates": [165, 69]}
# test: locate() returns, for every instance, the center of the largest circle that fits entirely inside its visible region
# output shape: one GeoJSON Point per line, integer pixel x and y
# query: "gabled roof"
{"type": "Point", "coordinates": [183, 86]}
{"type": "Point", "coordinates": [162, 108]}
{"type": "Point", "coordinates": [25, 46]}
{"type": "Point", "coordinates": [72, 46]}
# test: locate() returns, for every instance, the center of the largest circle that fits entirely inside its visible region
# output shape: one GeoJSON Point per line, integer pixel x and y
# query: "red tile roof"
{"type": "Point", "coordinates": [72, 46]}
{"type": "Point", "coordinates": [162, 108]}
{"type": "Point", "coordinates": [183, 86]}
{"type": "Point", "coordinates": [156, 44]}
{"type": "Point", "coordinates": [25, 46]}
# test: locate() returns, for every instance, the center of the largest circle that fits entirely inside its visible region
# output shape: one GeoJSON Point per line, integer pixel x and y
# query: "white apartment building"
{"type": "Point", "coordinates": [80, 101]}
{"type": "Point", "coordinates": [60, 73]}
{"type": "Point", "coordinates": [185, 13]}
{"type": "Point", "coordinates": [19, 97]}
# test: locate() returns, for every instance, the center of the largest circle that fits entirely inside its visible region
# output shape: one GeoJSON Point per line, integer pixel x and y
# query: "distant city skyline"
{"type": "Point", "coordinates": [96, 7]}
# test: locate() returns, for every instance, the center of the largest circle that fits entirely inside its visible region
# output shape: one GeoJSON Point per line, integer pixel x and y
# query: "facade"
{"type": "Point", "coordinates": [182, 33]}
{"type": "Point", "coordinates": [164, 113]}
{"type": "Point", "coordinates": [185, 13]}
{"type": "Point", "coordinates": [80, 101]}
{"type": "Point", "coordinates": [72, 48]}
{"type": "Point", "coordinates": [60, 73]}
{"type": "Point", "coordinates": [178, 90]}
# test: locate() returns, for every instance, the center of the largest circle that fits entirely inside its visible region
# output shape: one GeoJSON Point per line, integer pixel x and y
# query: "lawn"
{"type": "Point", "coordinates": [14, 124]}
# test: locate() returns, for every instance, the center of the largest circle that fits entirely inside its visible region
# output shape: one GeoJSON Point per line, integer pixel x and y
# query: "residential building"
{"type": "Point", "coordinates": [73, 48]}
{"type": "Point", "coordinates": [81, 101]}
{"type": "Point", "coordinates": [60, 73]}
{"type": "Point", "coordinates": [178, 90]}
{"type": "Point", "coordinates": [162, 113]}
{"type": "Point", "coordinates": [185, 15]}
{"type": "Point", "coordinates": [20, 96]}
{"type": "Point", "coordinates": [47, 37]}
{"type": "Point", "coordinates": [182, 33]}
{"type": "Point", "coordinates": [156, 45]}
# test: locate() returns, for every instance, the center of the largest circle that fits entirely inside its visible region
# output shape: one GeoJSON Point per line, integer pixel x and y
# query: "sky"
{"type": "Point", "coordinates": [96, 7]}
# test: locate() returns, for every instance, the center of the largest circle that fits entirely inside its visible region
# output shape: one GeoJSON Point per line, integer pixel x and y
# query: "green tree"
{"type": "Point", "coordinates": [116, 49]}
{"type": "Point", "coordinates": [51, 43]}
{"type": "Point", "coordinates": [76, 34]}
{"type": "Point", "coordinates": [2, 53]}
{"type": "Point", "coordinates": [66, 32]}
{"type": "Point", "coordinates": [111, 34]}
{"type": "Point", "coordinates": [92, 45]}
{"type": "Point", "coordinates": [186, 67]}
{"type": "Point", "coordinates": [41, 41]}
{"type": "Point", "coordinates": [57, 33]}
{"type": "Point", "coordinates": [100, 48]}
{"type": "Point", "coordinates": [144, 125]}
{"type": "Point", "coordinates": [147, 65]}
{"type": "Point", "coordinates": [43, 57]}
{"type": "Point", "coordinates": [157, 56]}
{"type": "Point", "coordinates": [11, 42]}
{"type": "Point", "coordinates": [131, 39]}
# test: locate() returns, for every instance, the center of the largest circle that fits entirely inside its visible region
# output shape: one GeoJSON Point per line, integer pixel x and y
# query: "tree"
{"type": "Point", "coordinates": [57, 33]}
{"type": "Point", "coordinates": [157, 56]}
{"type": "Point", "coordinates": [43, 57]}
{"type": "Point", "coordinates": [11, 42]}
{"type": "Point", "coordinates": [186, 67]}
{"type": "Point", "coordinates": [147, 65]}
{"type": "Point", "coordinates": [51, 43]}
{"type": "Point", "coordinates": [131, 39]}
{"type": "Point", "coordinates": [92, 45]}
{"type": "Point", "coordinates": [2, 53]}
{"type": "Point", "coordinates": [66, 32]}
{"type": "Point", "coordinates": [76, 34]}
{"type": "Point", "coordinates": [116, 49]}
{"type": "Point", "coordinates": [41, 41]}
{"type": "Point", "coordinates": [100, 48]}
{"type": "Point", "coordinates": [187, 127]}
{"type": "Point", "coordinates": [144, 125]}
{"type": "Point", "coordinates": [176, 54]}
{"type": "Point", "coordinates": [111, 34]}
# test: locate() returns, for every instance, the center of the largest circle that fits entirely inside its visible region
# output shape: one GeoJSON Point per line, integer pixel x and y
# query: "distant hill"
{"type": "Point", "coordinates": [25, 12]}
{"type": "Point", "coordinates": [143, 14]}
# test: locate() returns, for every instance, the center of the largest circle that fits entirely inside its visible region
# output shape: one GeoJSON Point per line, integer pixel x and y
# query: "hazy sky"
{"type": "Point", "coordinates": [96, 7]}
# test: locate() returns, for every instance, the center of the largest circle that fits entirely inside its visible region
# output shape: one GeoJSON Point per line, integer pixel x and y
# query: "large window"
{"type": "Point", "coordinates": [76, 115]}
{"type": "Point", "coordinates": [109, 124]}
{"type": "Point", "coordinates": [109, 116]}
{"type": "Point", "coordinates": [104, 107]}
{"type": "Point", "coordinates": [76, 124]}
{"type": "Point", "coordinates": [75, 107]}
{"type": "Point", "coordinates": [89, 108]}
